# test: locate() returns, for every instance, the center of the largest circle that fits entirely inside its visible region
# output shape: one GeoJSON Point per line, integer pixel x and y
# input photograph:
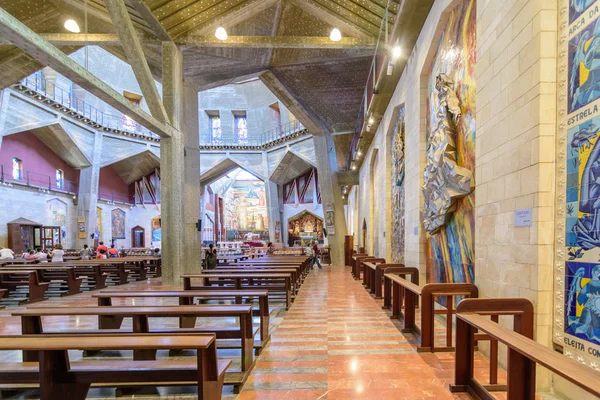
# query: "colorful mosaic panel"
{"type": "Point", "coordinates": [398, 208]}
{"type": "Point", "coordinates": [450, 250]}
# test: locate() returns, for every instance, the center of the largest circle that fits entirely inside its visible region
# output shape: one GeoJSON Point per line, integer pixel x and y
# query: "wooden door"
{"type": "Point", "coordinates": [138, 237]}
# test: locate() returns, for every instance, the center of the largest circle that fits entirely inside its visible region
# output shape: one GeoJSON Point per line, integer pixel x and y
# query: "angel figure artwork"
{"type": "Point", "coordinates": [584, 66]}
{"type": "Point", "coordinates": [583, 302]}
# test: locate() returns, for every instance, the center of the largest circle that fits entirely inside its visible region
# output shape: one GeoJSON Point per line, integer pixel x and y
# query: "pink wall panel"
{"type": "Point", "coordinates": [111, 184]}
{"type": "Point", "coordinates": [38, 159]}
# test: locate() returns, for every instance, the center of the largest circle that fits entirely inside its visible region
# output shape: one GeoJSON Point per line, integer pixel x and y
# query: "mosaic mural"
{"type": "Point", "coordinates": [57, 214]}
{"type": "Point", "coordinates": [577, 266]}
{"type": "Point", "coordinates": [304, 224]}
{"type": "Point", "coordinates": [397, 149]}
{"type": "Point", "coordinates": [117, 222]}
{"type": "Point", "coordinates": [450, 249]}
{"type": "Point", "coordinates": [98, 230]}
{"type": "Point", "coordinates": [246, 206]}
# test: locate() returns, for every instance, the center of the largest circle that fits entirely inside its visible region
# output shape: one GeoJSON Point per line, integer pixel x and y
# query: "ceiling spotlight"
{"type": "Point", "coordinates": [371, 120]}
{"type": "Point", "coordinates": [335, 35]}
{"type": "Point", "coordinates": [221, 33]}
{"type": "Point", "coordinates": [72, 26]}
{"type": "Point", "coordinates": [396, 52]}
{"type": "Point", "coordinates": [353, 166]}
{"type": "Point", "coordinates": [359, 153]}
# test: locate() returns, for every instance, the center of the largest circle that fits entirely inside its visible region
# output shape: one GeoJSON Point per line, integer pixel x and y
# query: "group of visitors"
{"type": "Point", "coordinates": [57, 253]}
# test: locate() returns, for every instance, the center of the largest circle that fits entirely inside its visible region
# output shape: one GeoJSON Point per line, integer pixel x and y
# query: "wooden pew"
{"type": "Point", "coordinates": [51, 274]}
{"type": "Point", "coordinates": [523, 352]}
{"type": "Point", "coordinates": [303, 263]}
{"type": "Point", "coordinates": [110, 319]}
{"type": "Point", "coordinates": [369, 270]}
{"type": "Point", "coordinates": [296, 281]}
{"type": "Point", "coordinates": [271, 281]}
{"type": "Point", "coordinates": [357, 264]}
{"type": "Point", "coordinates": [16, 279]}
{"type": "Point", "coordinates": [388, 277]}
{"type": "Point", "coordinates": [376, 280]}
{"type": "Point", "coordinates": [411, 292]}
{"type": "Point", "coordinates": [92, 276]}
{"type": "Point", "coordinates": [186, 297]}
{"type": "Point", "coordinates": [61, 379]}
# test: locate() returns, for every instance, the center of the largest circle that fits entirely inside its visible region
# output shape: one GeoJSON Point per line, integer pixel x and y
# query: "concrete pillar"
{"type": "Point", "coordinates": [172, 169]}
{"type": "Point", "coordinates": [331, 194]}
{"type": "Point", "coordinates": [191, 193]}
{"type": "Point", "coordinates": [87, 197]}
{"type": "Point", "coordinates": [273, 213]}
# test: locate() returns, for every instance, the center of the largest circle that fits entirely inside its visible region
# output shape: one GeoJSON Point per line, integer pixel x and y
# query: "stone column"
{"type": "Point", "coordinates": [331, 194]}
{"type": "Point", "coordinates": [273, 214]}
{"type": "Point", "coordinates": [192, 192]}
{"type": "Point", "coordinates": [87, 197]}
{"type": "Point", "coordinates": [172, 169]}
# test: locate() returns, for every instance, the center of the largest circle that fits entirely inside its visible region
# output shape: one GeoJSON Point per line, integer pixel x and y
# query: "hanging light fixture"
{"type": "Point", "coordinates": [221, 33]}
{"type": "Point", "coordinates": [335, 35]}
{"type": "Point", "coordinates": [72, 26]}
{"type": "Point", "coordinates": [396, 52]}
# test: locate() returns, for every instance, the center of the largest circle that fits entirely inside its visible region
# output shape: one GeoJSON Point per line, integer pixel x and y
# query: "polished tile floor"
{"type": "Point", "coordinates": [335, 342]}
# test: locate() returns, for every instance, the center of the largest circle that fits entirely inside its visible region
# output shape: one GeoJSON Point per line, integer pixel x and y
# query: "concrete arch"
{"type": "Point", "coordinates": [289, 167]}
{"type": "Point", "coordinates": [223, 168]}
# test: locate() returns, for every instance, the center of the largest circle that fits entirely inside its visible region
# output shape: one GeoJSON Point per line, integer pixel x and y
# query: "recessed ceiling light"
{"type": "Point", "coordinates": [72, 26]}
{"type": "Point", "coordinates": [335, 35]}
{"type": "Point", "coordinates": [221, 33]}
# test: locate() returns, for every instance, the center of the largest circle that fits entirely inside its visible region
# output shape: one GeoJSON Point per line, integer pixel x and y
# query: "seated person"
{"type": "Point", "coordinates": [32, 255]}
{"type": "Point", "coordinates": [102, 246]}
{"type": "Point", "coordinates": [101, 255]}
{"type": "Point", "coordinates": [113, 252]}
{"type": "Point", "coordinates": [6, 254]}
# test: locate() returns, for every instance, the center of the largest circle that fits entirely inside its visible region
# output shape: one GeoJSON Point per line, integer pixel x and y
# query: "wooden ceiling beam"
{"type": "Point", "coordinates": [136, 57]}
{"type": "Point", "coordinates": [150, 19]}
{"type": "Point", "coordinates": [358, 27]}
{"type": "Point", "coordinates": [47, 54]}
{"type": "Point", "coordinates": [256, 42]}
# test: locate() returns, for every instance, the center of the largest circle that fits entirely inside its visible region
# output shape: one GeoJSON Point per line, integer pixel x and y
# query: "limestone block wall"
{"type": "Point", "coordinates": [516, 109]}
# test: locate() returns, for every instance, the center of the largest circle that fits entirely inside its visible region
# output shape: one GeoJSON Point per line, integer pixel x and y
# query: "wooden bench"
{"type": "Point", "coordinates": [61, 379]}
{"type": "Point", "coordinates": [270, 281]}
{"type": "Point", "coordinates": [296, 281]}
{"type": "Point", "coordinates": [357, 265]}
{"type": "Point", "coordinates": [523, 352]}
{"type": "Point", "coordinates": [411, 292]}
{"type": "Point", "coordinates": [376, 281]}
{"type": "Point", "coordinates": [61, 279]}
{"type": "Point", "coordinates": [369, 270]}
{"type": "Point", "coordinates": [23, 285]}
{"type": "Point", "coordinates": [110, 319]}
{"type": "Point", "coordinates": [186, 297]}
{"type": "Point", "coordinates": [388, 278]}
{"type": "Point", "coordinates": [92, 276]}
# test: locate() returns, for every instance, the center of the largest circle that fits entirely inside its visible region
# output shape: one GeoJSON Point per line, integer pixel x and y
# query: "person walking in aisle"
{"type": "Point", "coordinates": [211, 257]}
{"type": "Point", "coordinates": [315, 255]}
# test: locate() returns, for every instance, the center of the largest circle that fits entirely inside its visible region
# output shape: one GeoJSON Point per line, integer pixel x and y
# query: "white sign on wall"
{"type": "Point", "coordinates": [523, 217]}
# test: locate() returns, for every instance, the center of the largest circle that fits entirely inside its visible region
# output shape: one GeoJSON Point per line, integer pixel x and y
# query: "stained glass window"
{"type": "Point", "coordinates": [241, 127]}
{"type": "Point", "coordinates": [215, 129]}
{"type": "Point", "coordinates": [17, 169]}
{"type": "Point", "coordinates": [59, 178]}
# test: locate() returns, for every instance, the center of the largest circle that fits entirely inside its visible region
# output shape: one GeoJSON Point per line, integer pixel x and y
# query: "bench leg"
{"type": "Point", "coordinates": [521, 376]}
{"type": "Point", "coordinates": [247, 340]}
{"type": "Point", "coordinates": [210, 384]}
{"type": "Point", "coordinates": [396, 301]}
{"type": "Point", "coordinates": [387, 293]}
{"type": "Point", "coordinates": [54, 367]}
{"type": "Point", "coordinates": [264, 318]}
{"type": "Point", "coordinates": [463, 369]}
{"type": "Point", "coordinates": [140, 325]}
{"type": "Point", "coordinates": [409, 311]}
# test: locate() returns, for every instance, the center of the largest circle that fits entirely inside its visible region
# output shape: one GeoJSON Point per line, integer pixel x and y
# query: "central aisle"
{"type": "Point", "coordinates": [336, 342]}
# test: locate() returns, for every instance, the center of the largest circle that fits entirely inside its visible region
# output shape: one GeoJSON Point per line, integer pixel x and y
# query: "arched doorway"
{"type": "Point", "coordinates": [138, 237]}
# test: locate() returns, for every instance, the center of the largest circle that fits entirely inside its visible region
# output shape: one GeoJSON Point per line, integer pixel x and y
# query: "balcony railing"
{"type": "Point", "coordinates": [113, 197]}
{"type": "Point", "coordinates": [36, 180]}
{"type": "Point", "coordinates": [277, 134]}
{"type": "Point", "coordinates": [110, 120]}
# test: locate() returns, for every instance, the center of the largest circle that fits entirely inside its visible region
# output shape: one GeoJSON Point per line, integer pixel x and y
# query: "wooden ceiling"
{"type": "Point", "coordinates": [327, 82]}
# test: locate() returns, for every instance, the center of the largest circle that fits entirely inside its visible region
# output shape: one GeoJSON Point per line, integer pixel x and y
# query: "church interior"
{"type": "Point", "coordinates": [299, 199]}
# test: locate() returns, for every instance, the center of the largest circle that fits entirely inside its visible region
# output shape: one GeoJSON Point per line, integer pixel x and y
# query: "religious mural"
{"type": "Point", "coordinates": [117, 222]}
{"type": "Point", "coordinates": [246, 206]}
{"type": "Point", "coordinates": [449, 200]}
{"type": "Point", "coordinates": [397, 149]}
{"type": "Point", "coordinates": [98, 230]}
{"type": "Point", "coordinates": [577, 266]}
{"type": "Point", "coordinates": [57, 214]}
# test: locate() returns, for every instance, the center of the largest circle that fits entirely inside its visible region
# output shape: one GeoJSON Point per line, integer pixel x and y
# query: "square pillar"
{"type": "Point", "coordinates": [172, 155]}
{"type": "Point", "coordinates": [331, 194]}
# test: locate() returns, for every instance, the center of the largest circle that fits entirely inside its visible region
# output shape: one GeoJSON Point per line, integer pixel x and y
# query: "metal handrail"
{"type": "Point", "coordinates": [282, 131]}
{"type": "Point", "coordinates": [116, 120]}
{"type": "Point", "coordinates": [37, 180]}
